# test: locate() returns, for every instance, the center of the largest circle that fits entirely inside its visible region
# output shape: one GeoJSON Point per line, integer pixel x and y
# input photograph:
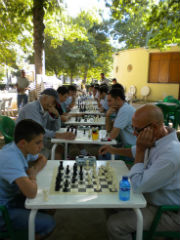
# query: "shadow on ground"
{"type": "Point", "coordinates": [83, 224]}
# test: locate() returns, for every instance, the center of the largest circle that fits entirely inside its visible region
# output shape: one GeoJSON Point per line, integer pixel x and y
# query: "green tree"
{"type": "Point", "coordinates": [146, 22]}
{"type": "Point", "coordinates": [85, 57]}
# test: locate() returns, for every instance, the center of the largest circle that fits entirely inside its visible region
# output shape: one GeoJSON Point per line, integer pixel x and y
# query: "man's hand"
{"type": "Point", "coordinates": [32, 172]}
{"type": "Point", "coordinates": [106, 149]}
{"type": "Point", "coordinates": [110, 111]}
{"type": "Point", "coordinates": [53, 110]}
{"type": "Point", "coordinates": [145, 139]}
{"type": "Point", "coordinates": [66, 135]}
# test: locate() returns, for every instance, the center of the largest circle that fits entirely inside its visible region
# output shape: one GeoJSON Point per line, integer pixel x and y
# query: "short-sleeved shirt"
{"type": "Point", "coordinates": [34, 111]}
{"type": "Point", "coordinates": [123, 121]}
{"type": "Point", "coordinates": [105, 104]}
{"type": "Point", "coordinates": [68, 101]}
{"type": "Point", "coordinates": [22, 82]}
{"type": "Point", "coordinates": [13, 166]}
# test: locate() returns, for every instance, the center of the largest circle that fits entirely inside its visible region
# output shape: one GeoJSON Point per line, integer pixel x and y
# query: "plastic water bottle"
{"type": "Point", "coordinates": [124, 189]}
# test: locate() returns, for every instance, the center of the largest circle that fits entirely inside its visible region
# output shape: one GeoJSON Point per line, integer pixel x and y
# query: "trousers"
{"type": "Point", "coordinates": [122, 224]}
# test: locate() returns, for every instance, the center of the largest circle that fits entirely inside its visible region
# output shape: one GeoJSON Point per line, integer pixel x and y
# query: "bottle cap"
{"type": "Point", "coordinates": [125, 177]}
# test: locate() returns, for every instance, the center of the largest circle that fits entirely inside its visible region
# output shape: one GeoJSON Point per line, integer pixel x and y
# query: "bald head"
{"type": "Point", "coordinates": [148, 114]}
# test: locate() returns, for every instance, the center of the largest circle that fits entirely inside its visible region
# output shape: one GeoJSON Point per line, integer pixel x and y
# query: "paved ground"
{"type": "Point", "coordinates": [80, 224]}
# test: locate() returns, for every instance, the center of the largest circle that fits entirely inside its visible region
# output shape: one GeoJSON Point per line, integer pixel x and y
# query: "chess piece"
{"type": "Point", "coordinates": [87, 167]}
{"type": "Point", "coordinates": [61, 165]}
{"type": "Point", "coordinates": [67, 170]}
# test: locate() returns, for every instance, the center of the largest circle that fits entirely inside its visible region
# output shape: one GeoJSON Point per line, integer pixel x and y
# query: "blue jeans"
{"type": "Point", "coordinates": [22, 99]}
{"type": "Point", "coordinates": [44, 223]}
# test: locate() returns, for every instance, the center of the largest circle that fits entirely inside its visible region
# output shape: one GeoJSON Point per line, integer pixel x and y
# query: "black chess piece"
{"type": "Point", "coordinates": [66, 184]}
{"type": "Point", "coordinates": [61, 165]}
{"type": "Point", "coordinates": [81, 177]}
{"type": "Point", "coordinates": [67, 170]}
{"type": "Point", "coordinates": [73, 179]}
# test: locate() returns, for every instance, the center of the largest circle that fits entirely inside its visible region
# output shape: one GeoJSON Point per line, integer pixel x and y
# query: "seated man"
{"type": "Point", "coordinates": [122, 124]}
{"type": "Point", "coordinates": [102, 104]}
{"type": "Point", "coordinates": [39, 111]}
{"type": "Point", "coordinates": [18, 178]}
{"type": "Point", "coordinates": [71, 99]}
{"type": "Point", "coordinates": [156, 173]}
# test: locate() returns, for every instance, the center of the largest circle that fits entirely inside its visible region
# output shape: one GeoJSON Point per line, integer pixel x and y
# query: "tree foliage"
{"type": "Point", "coordinates": [81, 56]}
{"type": "Point", "coordinates": [151, 23]}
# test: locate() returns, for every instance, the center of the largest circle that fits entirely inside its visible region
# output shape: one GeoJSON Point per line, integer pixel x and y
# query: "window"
{"type": "Point", "coordinates": [164, 67]}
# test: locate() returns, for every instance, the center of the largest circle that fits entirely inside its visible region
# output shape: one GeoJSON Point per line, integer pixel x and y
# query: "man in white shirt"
{"type": "Point", "coordinates": [22, 84]}
{"type": "Point", "coordinates": [156, 173]}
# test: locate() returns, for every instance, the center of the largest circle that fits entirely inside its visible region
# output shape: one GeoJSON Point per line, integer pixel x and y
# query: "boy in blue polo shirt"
{"type": "Point", "coordinates": [18, 177]}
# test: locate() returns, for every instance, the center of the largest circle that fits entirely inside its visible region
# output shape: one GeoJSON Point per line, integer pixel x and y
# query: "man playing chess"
{"type": "Point", "coordinates": [156, 173]}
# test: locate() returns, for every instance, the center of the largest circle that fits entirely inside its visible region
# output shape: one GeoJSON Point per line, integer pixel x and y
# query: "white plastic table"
{"type": "Point", "coordinates": [94, 200]}
{"type": "Point", "coordinates": [95, 112]}
{"type": "Point", "coordinates": [90, 122]}
{"type": "Point", "coordinates": [81, 138]}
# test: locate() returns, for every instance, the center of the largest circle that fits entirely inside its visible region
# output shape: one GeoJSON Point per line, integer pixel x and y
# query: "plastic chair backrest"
{"type": "Point", "coordinates": [167, 98]}
{"type": "Point", "coordinates": [7, 126]}
{"type": "Point", "coordinates": [165, 111]}
{"type": "Point", "coordinates": [171, 99]}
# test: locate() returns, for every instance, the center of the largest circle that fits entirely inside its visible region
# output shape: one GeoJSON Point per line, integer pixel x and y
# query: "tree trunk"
{"type": "Point", "coordinates": [71, 78]}
{"type": "Point", "coordinates": [38, 16]}
{"type": "Point", "coordinates": [85, 76]}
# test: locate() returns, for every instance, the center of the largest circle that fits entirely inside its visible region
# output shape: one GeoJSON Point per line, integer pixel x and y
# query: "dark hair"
{"type": "Point", "coordinates": [27, 129]}
{"type": "Point", "coordinates": [62, 90]}
{"type": "Point", "coordinates": [103, 89]}
{"type": "Point", "coordinates": [114, 79]}
{"type": "Point", "coordinates": [72, 88]}
{"type": "Point", "coordinates": [117, 92]}
{"type": "Point", "coordinates": [118, 85]}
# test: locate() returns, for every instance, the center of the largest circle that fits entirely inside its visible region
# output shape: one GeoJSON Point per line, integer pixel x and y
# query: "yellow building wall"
{"type": "Point", "coordinates": [138, 76]}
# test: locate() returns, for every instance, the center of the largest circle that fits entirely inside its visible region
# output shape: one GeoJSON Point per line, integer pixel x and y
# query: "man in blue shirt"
{"type": "Point", "coordinates": [39, 111]}
{"type": "Point", "coordinates": [156, 173]}
{"type": "Point", "coordinates": [103, 105]}
{"type": "Point", "coordinates": [122, 124]}
{"type": "Point", "coordinates": [18, 177]}
{"type": "Point", "coordinates": [71, 99]}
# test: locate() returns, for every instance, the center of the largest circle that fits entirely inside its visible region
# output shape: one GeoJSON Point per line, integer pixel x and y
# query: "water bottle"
{"type": "Point", "coordinates": [124, 189]}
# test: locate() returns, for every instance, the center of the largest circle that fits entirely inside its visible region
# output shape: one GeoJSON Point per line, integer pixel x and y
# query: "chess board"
{"type": "Point", "coordinates": [82, 186]}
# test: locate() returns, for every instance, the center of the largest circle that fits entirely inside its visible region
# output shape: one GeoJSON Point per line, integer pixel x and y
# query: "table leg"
{"type": "Point", "coordinates": [139, 226]}
{"type": "Point", "coordinates": [112, 157]}
{"type": "Point", "coordinates": [31, 224]}
{"type": "Point", "coordinates": [53, 150]}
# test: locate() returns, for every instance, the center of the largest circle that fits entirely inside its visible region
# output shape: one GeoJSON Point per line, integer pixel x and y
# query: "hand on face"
{"type": "Point", "coordinates": [110, 111]}
{"type": "Point", "coordinates": [52, 109]}
{"type": "Point", "coordinates": [145, 139]}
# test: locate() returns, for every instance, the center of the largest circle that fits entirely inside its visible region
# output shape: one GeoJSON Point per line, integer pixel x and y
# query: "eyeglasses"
{"type": "Point", "coordinates": [138, 130]}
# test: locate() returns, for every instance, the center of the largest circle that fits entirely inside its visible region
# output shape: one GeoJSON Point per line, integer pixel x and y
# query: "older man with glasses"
{"type": "Point", "coordinates": [156, 173]}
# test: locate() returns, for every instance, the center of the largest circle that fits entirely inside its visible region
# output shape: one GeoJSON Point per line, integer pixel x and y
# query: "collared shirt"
{"type": "Point", "coordinates": [105, 104]}
{"type": "Point", "coordinates": [34, 111]}
{"type": "Point", "coordinates": [123, 121]}
{"type": "Point", "coordinates": [159, 176]}
{"type": "Point", "coordinates": [68, 101]}
{"type": "Point", "coordinates": [14, 165]}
